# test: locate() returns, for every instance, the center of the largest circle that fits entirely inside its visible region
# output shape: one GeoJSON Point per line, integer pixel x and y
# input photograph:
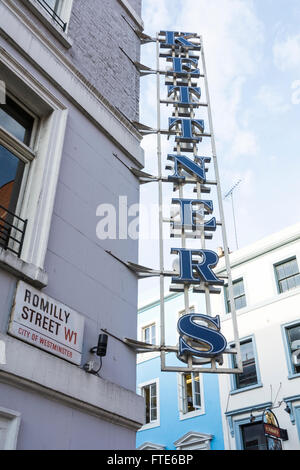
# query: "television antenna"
{"type": "Point", "coordinates": [230, 194]}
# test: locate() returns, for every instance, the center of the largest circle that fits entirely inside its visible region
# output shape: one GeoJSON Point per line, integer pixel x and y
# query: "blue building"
{"type": "Point", "coordinates": [182, 409]}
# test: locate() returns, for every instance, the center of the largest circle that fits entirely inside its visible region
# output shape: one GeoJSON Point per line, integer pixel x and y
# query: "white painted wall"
{"type": "Point", "coordinates": [266, 312]}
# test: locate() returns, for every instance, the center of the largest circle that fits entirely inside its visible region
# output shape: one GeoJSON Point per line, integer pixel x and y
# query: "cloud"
{"type": "Point", "coordinates": [286, 53]}
{"type": "Point", "coordinates": [233, 38]}
{"type": "Point", "coordinates": [272, 100]}
{"type": "Point", "coordinates": [244, 143]}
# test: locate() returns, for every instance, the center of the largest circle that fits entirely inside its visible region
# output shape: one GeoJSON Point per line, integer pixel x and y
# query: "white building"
{"type": "Point", "coordinates": [267, 297]}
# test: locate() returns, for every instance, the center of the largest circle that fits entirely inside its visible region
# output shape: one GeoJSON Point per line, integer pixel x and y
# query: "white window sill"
{"type": "Point", "coordinates": [22, 270]}
{"type": "Point", "coordinates": [191, 414]}
{"type": "Point", "coordinates": [47, 21]}
{"type": "Point", "coordinates": [246, 389]}
{"type": "Point", "coordinates": [155, 424]}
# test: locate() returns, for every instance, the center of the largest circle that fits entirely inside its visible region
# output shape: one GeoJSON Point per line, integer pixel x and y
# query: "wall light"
{"type": "Point", "coordinates": [100, 351]}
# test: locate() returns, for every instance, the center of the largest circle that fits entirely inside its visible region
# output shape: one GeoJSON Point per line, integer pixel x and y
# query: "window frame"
{"type": "Point", "coordinates": [192, 309]}
{"type": "Point", "coordinates": [226, 297]}
{"type": "Point", "coordinates": [46, 18]}
{"type": "Point", "coordinates": [141, 386]}
{"type": "Point", "coordinates": [181, 392]}
{"type": "Point", "coordinates": [23, 152]}
{"type": "Point", "coordinates": [46, 154]}
{"type": "Point", "coordinates": [275, 265]}
{"type": "Point", "coordinates": [290, 365]}
{"type": "Point", "coordinates": [14, 419]}
{"type": "Point", "coordinates": [144, 328]}
{"type": "Point", "coordinates": [233, 382]}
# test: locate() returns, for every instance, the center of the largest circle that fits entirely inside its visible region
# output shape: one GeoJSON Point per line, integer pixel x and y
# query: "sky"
{"type": "Point", "coordinates": [252, 50]}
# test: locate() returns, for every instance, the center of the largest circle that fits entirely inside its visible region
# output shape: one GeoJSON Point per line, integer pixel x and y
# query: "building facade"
{"type": "Point", "coordinates": [182, 409]}
{"type": "Point", "coordinates": [69, 92]}
{"type": "Point", "coordinates": [267, 296]}
{"type": "Point", "coordinates": [226, 412]}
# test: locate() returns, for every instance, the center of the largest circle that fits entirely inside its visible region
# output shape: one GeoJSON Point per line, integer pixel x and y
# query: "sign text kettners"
{"type": "Point", "coordinates": [201, 344]}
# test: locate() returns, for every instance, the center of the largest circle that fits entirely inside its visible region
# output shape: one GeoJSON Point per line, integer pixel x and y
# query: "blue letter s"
{"type": "Point", "coordinates": [211, 342]}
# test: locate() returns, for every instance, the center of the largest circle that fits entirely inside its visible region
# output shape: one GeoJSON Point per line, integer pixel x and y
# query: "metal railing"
{"type": "Point", "coordinates": [53, 14]}
{"type": "Point", "coordinates": [12, 231]}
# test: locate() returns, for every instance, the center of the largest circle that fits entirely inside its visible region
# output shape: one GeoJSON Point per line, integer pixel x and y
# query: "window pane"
{"type": "Point", "coordinates": [146, 394]}
{"type": "Point", "coordinates": [238, 295]}
{"type": "Point", "coordinates": [51, 3]}
{"type": "Point", "coordinates": [153, 390]}
{"type": "Point", "coordinates": [16, 121]}
{"type": "Point", "coordinates": [283, 286]}
{"type": "Point", "coordinates": [55, 5]}
{"type": "Point", "coordinates": [153, 414]}
{"type": "Point", "coordinates": [294, 339]}
{"type": "Point", "coordinates": [188, 388]}
{"type": "Point", "coordinates": [240, 302]}
{"type": "Point", "coordinates": [288, 275]}
{"type": "Point", "coordinates": [191, 382]}
{"type": "Point", "coordinates": [249, 376]}
{"type": "Point", "coordinates": [150, 394]}
{"type": "Point", "coordinates": [291, 268]}
{"type": "Point", "coordinates": [11, 173]}
{"type": "Point", "coordinates": [153, 334]}
{"type": "Point", "coordinates": [280, 272]}
{"type": "Point", "coordinates": [197, 394]}
{"type": "Point", "coordinates": [147, 335]}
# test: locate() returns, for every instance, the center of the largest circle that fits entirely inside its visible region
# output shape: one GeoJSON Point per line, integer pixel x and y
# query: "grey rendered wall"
{"type": "Point", "coordinates": [49, 425]}
{"type": "Point", "coordinates": [81, 274]}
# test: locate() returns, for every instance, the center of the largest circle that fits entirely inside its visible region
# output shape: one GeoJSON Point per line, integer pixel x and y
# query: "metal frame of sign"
{"type": "Point", "coordinates": [185, 51]}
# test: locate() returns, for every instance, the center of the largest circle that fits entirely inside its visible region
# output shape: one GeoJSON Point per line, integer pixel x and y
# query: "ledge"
{"type": "Point", "coordinates": [236, 391]}
{"type": "Point", "coordinates": [56, 379]}
{"type": "Point", "coordinates": [132, 13]}
{"type": "Point", "coordinates": [47, 21]}
{"type": "Point", "coordinates": [22, 270]}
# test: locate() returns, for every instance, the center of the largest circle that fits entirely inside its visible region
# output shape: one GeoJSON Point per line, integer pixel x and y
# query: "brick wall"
{"type": "Point", "coordinates": [98, 30]}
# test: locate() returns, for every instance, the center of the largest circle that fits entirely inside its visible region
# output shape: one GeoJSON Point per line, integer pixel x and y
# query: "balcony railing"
{"type": "Point", "coordinates": [12, 231]}
{"type": "Point", "coordinates": [53, 14]}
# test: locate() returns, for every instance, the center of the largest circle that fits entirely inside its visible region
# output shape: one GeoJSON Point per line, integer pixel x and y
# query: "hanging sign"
{"type": "Point", "coordinates": [199, 334]}
{"type": "Point", "coordinates": [47, 324]}
{"type": "Point", "coordinates": [272, 431]}
{"type": "Point", "coordinates": [192, 214]}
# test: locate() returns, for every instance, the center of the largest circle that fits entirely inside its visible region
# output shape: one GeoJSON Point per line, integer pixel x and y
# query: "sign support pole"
{"type": "Point", "coordinates": [223, 227]}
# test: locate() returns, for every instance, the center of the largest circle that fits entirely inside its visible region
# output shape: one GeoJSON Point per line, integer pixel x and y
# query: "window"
{"type": "Point", "coordinates": [149, 334]}
{"type": "Point", "coordinates": [287, 274]}
{"type": "Point", "coordinates": [19, 124]}
{"type": "Point", "coordinates": [190, 393]}
{"type": "Point", "coordinates": [9, 428]}
{"type": "Point", "coordinates": [32, 132]}
{"type": "Point", "coordinates": [16, 120]}
{"type": "Point", "coordinates": [191, 310]}
{"type": "Point", "coordinates": [149, 392]}
{"type": "Point", "coordinates": [249, 377]}
{"type": "Point", "coordinates": [54, 9]}
{"type": "Point", "coordinates": [293, 340]}
{"type": "Point", "coordinates": [238, 295]}
{"type": "Point", "coordinates": [54, 4]}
